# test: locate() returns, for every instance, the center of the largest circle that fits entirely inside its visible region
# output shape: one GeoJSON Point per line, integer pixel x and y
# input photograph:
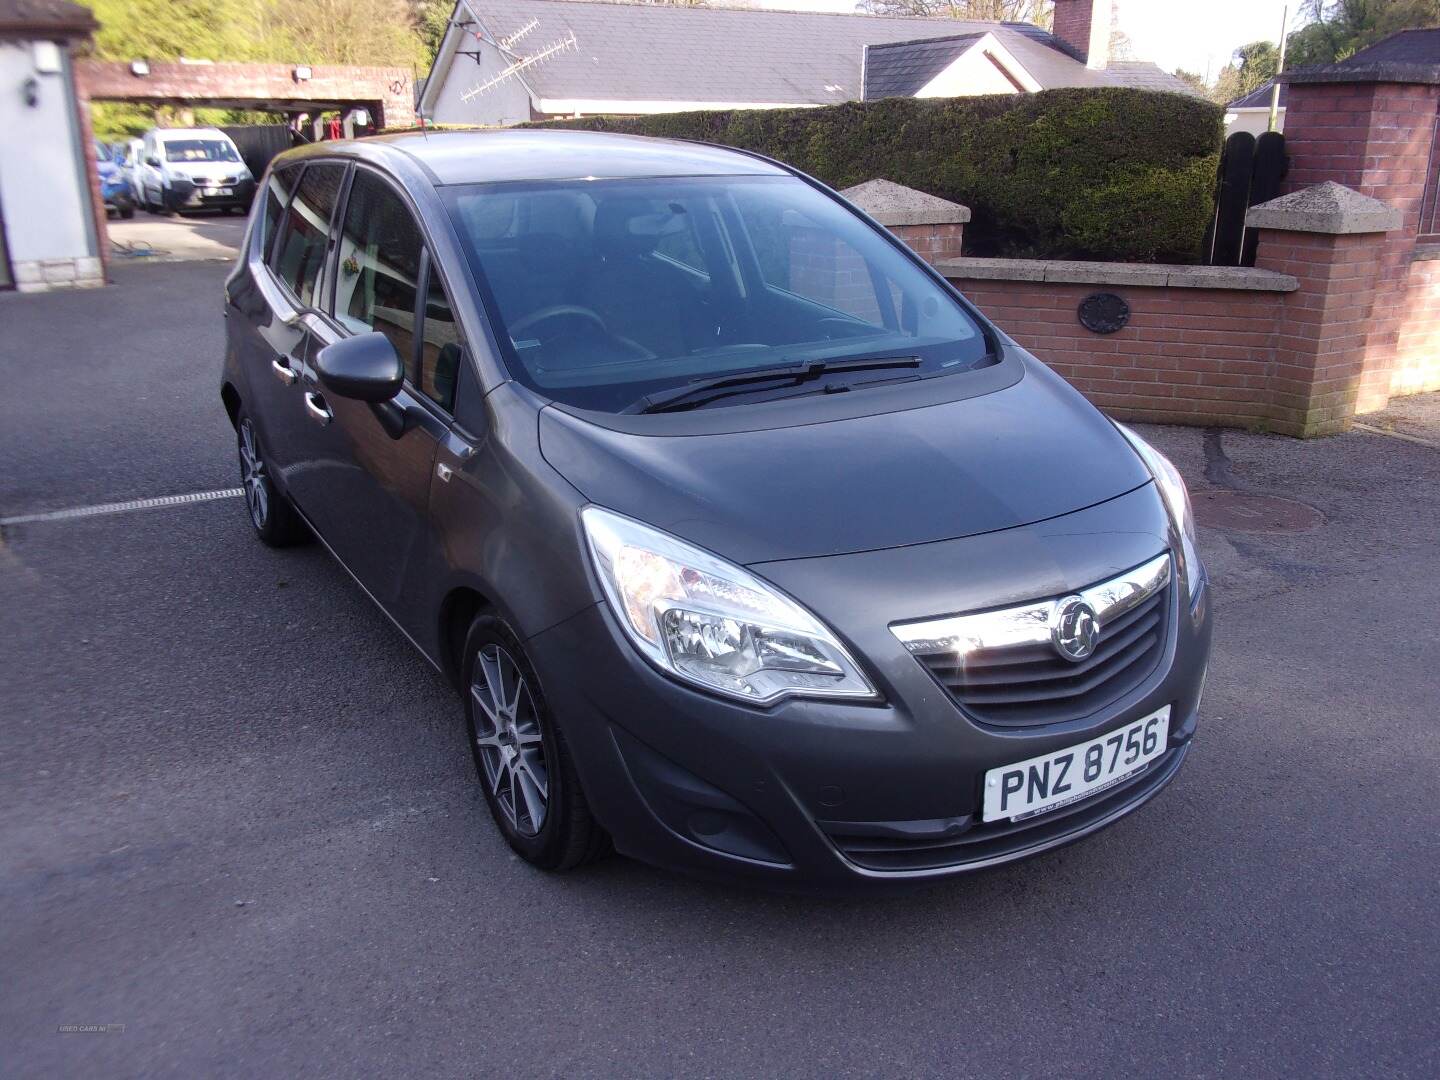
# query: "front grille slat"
{"type": "Point", "coordinates": [1028, 684]}
{"type": "Point", "coordinates": [1058, 688]}
{"type": "Point", "coordinates": [1047, 668]}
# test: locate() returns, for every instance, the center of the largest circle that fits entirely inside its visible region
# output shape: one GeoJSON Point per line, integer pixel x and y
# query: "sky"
{"type": "Point", "coordinates": [1173, 33]}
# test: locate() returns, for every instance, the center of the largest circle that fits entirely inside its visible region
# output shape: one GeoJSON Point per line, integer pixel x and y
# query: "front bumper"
{"type": "Point", "coordinates": [840, 795]}
{"type": "Point", "coordinates": [188, 195]}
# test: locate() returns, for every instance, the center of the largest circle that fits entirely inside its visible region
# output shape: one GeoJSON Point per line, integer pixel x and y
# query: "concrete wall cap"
{"type": "Point", "coordinates": [894, 204]}
{"type": "Point", "coordinates": [1155, 275]}
{"type": "Point", "coordinates": [1325, 208]}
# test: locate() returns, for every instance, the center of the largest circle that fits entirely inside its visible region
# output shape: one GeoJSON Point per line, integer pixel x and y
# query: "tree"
{"type": "Point", "coordinates": [1038, 12]}
{"type": "Point", "coordinates": [1192, 80]}
{"type": "Point", "coordinates": [1336, 29]}
{"type": "Point", "coordinates": [372, 32]}
{"type": "Point", "coordinates": [432, 19]}
{"type": "Point", "coordinates": [1250, 68]}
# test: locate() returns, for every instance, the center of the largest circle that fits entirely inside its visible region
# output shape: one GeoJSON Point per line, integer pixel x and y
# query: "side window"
{"type": "Point", "coordinates": [440, 346]}
{"type": "Point", "coordinates": [277, 197]}
{"type": "Point", "coordinates": [379, 264]}
{"type": "Point", "coordinates": [300, 255]}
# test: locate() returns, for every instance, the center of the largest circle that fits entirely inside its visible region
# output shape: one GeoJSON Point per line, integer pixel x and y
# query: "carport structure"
{"type": "Point", "coordinates": [387, 94]}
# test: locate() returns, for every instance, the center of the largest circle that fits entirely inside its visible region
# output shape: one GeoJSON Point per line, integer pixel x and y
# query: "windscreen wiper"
{"type": "Point", "coordinates": [701, 392]}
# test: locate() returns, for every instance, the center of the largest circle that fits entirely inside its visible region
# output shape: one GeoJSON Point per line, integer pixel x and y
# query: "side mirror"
{"type": "Point", "coordinates": [365, 367]}
{"type": "Point", "coordinates": [153, 162]}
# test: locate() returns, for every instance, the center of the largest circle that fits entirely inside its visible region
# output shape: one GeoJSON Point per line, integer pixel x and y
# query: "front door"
{"type": "Point", "coordinates": [365, 483]}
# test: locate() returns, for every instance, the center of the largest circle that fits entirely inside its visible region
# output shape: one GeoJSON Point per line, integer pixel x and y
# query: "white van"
{"type": "Point", "coordinates": [184, 169]}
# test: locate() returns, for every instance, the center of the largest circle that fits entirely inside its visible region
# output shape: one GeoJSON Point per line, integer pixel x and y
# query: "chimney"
{"type": "Point", "coordinates": [1085, 25]}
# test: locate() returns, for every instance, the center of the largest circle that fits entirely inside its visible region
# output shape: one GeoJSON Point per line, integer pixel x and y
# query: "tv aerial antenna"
{"type": "Point", "coordinates": [517, 61]}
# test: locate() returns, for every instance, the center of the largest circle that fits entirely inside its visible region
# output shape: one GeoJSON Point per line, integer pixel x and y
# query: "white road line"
{"type": "Point", "coordinates": [124, 507]}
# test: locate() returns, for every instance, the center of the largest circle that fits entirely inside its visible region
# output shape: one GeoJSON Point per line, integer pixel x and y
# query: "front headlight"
{"type": "Point", "coordinates": [1177, 501]}
{"type": "Point", "coordinates": [711, 623]}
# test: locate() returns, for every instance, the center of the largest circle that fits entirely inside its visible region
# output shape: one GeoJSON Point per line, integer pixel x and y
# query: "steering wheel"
{"type": "Point", "coordinates": [556, 311]}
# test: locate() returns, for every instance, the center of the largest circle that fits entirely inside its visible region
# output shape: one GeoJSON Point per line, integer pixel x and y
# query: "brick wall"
{"type": "Point", "coordinates": [933, 242]}
{"type": "Point", "coordinates": [1187, 355]}
{"type": "Point", "coordinates": [1417, 364]}
{"type": "Point", "coordinates": [1375, 138]}
{"type": "Point", "coordinates": [1320, 373]}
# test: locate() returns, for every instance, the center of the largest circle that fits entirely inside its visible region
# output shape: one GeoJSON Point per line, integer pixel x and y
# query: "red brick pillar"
{"type": "Point", "coordinates": [1368, 129]}
{"type": "Point", "coordinates": [933, 228]}
{"type": "Point", "coordinates": [1334, 242]}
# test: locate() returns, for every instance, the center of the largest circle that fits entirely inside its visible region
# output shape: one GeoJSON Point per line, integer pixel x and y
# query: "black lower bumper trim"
{"type": "Point", "coordinates": [954, 843]}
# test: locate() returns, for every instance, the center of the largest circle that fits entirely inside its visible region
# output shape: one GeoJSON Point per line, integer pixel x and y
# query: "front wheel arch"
{"type": "Point", "coordinates": [231, 397]}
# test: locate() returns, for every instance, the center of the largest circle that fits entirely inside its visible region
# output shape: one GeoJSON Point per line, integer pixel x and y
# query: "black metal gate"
{"type": "Point", "coordinates": [258, 143]}
{"type": "Point", "coordinates": [1251, 171]}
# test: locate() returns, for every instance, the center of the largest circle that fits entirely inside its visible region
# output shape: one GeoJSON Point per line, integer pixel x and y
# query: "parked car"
{"type": "Point", "coordinates": [133, 163]}
{"type": "Point", "coordinates": [748, 543]}
{"type": "Point", "coordinates": [114, 184]}
{"type": "Point", "coordinates": [185, 169]}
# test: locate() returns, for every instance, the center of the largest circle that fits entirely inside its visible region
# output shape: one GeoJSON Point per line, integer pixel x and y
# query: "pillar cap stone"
{"type": "Point", "coordinates": [894, 204]}
{"type": "Point", "coordinates": [1325, 208]}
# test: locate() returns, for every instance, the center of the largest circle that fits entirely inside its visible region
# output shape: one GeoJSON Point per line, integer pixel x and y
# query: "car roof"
{"type": "Point", "coordinates": [471, 157]}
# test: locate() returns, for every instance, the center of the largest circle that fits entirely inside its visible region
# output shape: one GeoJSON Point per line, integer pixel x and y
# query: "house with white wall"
{"type": "Point", "coordinates": [50, 233]}
{"type": "Point", "coordinates": [508, 61]}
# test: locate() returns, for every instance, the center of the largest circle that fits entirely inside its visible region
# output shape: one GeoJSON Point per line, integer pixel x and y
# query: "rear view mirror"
{"type": "Point", "coordinates": [365, 367]}
{"type": "Point", "coordinates": [153, 162]}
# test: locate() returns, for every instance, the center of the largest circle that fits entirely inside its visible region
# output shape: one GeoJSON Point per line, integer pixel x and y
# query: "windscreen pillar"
{"type": "Point", "coordinates": [1333, 241]}
{"type": "Point", "coordinates": [933, 228]}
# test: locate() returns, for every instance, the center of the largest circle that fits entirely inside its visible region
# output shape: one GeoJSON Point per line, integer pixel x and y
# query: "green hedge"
{"type": "Point", "coordinates": [1112, 173]}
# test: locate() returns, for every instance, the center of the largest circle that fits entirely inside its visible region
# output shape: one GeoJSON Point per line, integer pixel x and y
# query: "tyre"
{"type": "Point", "coordinates": [274, 518]}
{"type": "Point", "coordinates": [127, 211]}
{"type": "Point", "coordinates": [521, 757]}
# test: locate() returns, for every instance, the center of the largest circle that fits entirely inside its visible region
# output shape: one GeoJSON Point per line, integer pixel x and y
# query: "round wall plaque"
{"type": "Point", "coordinates": [1103, 312]}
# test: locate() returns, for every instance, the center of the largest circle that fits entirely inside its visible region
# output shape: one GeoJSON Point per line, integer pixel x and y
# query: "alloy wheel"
{"type": "Point", "coordinates": [252, 474]}
{"type": "Point", "coordinates": [507, 734]}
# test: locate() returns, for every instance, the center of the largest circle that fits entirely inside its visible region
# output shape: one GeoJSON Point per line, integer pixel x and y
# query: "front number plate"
{"type": "Point", "coordinates": [1043, 783]}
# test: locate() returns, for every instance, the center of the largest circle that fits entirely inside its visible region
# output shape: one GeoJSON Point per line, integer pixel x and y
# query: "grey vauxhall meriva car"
{"type": "Point", "coordinates": [752, 548]}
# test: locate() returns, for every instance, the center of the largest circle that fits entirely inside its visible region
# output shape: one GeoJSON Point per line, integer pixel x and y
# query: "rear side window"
{"type": "Point", "coordinates": [277, 197]}
{"type": "Point", "coordinates": [379, 264]}
{"type": "Point", "coordinates": [299, 258]}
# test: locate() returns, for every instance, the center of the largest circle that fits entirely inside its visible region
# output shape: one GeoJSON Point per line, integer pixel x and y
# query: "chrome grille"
{"type": "Point", "coordinates": [1003, 668]}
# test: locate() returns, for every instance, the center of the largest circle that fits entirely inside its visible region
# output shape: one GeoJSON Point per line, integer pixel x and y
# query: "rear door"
{"type": "Point", "coordinates": [368, 487]}
{"type": "Point", "coordinates": [296, 220]}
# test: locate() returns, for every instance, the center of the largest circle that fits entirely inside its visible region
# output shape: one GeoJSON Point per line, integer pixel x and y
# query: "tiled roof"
{"type": "Point", "coordinates": [45, 16]}
{"type": "Point", "coordinates": [1144, 75]}
{"type": "Point", "coordinates": [630, 52]}
{"type": "Point", "coordinates": [899, 69]}
{"type": "Point", "coordinates": [1259, 98]}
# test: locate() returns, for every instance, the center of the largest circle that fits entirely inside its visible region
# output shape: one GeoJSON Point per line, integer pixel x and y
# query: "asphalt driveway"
{"type": "Point", "coordinates": [237, 814]}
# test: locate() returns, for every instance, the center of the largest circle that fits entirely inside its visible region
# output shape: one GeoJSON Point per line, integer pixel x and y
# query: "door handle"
{"type": "Point", "coordinates": [315, 407]}
{"type": "Point", "coordinates": [443, 471]}
{"type": "Point", "coordinates": [283, 371]}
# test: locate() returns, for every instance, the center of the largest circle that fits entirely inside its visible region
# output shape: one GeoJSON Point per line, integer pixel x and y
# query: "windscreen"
{"type": "Point", "coordinates": [604, 292]}
{"type": "Point", "coordinates": [199, 150]}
